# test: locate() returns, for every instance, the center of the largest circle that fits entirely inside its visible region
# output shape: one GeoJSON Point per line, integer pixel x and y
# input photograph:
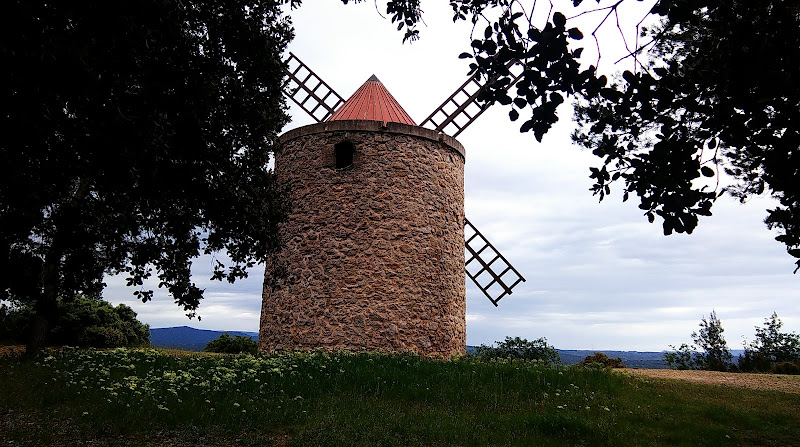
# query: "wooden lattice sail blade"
{"type": "Point", "coordinates": [309, 91]}
{"type": "Point", "coordinates": [486, 267]}
{"type": "Point", "coordinates": [462, 107]}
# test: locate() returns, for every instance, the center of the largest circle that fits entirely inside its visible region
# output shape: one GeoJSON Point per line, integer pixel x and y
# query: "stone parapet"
{"type": "Point", "coordinates": [374, 126]}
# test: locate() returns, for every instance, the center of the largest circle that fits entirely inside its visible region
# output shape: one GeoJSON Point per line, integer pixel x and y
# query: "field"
{"type": "Point", "coordinates": [152, 397]}
{"type": "Point", "coordinates": [770, 382]}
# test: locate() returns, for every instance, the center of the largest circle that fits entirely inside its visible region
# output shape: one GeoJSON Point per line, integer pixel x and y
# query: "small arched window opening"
{"type": "Point", "coordinates": [343, 152]}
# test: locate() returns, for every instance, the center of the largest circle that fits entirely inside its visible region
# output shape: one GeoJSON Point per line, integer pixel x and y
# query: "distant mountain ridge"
{"type": "Point", "coordinates": [631, 359]}
{"type": "Point", "coordinates": [191, 339]}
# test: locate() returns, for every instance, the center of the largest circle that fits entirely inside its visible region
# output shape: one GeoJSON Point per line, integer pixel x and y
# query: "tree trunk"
{"type": "Point", "coordinates": [46, 305]}
{"type": "Point", "coordinates": [46, 308]}
{"type": "Point", "coordinates": [38, 335]}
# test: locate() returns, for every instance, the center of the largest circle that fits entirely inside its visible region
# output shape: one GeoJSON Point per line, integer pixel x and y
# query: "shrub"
{"type": "Point", "coordinates": [754, 361]}
{"type": "Point", "coordinates": [681, 358]}
{"type": "Point", "coordinates": [601, 360]}
{"type": "Point", "coordinates": [101, 337]}
{"type": "Point", "coordinates": [232, 345]}
{"type": "Point", "coordinates": [520, 349]}
{"type": "Point", "coordinates": [92, 322]}
{"type": "Point", "coordinates": [785, 368]}
{"type": "Point", "coordinates": [14, 323]}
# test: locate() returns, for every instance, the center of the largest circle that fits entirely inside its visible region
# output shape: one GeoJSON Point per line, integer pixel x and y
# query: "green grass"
{"type": "Point", "coordinates": [140, 397]}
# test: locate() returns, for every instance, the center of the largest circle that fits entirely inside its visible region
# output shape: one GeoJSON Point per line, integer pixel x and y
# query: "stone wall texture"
{"type": "Point", "coordinates": [374, 252]}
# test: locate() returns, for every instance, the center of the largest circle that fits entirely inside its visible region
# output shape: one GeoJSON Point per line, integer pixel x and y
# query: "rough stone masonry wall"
{"type": "Point", "coordinates": [374, 253]}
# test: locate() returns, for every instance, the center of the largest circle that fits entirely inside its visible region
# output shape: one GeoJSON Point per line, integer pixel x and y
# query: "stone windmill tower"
{"type": "Point", "coordinates": [374, 254]}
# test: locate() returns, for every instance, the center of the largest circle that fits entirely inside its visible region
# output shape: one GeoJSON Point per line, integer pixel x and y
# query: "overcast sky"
{"type": "Point", "coordinates": [598, 275]}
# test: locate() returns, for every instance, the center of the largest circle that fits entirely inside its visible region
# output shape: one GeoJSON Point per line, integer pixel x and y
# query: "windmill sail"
{"type": "Point", "coordinates": [485, 273]}
{"type": "Point", "coordinates": [462, 107]}
{"type": "Point", "coordinates": [309, 91]}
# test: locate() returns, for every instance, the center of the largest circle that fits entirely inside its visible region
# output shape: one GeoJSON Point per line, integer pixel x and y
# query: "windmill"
{"type": "Point", "coordinates": [377, 236]}
{"type": "Point", "coordinates": [486, 267]}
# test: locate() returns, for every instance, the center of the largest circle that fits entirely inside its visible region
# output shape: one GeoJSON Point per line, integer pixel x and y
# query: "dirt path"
{"type": "Point", "coordinates": [775, 382]}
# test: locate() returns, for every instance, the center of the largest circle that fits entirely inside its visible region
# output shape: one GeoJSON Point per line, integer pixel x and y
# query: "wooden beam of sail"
{"type": "Point", "coordinates": [483, 264]}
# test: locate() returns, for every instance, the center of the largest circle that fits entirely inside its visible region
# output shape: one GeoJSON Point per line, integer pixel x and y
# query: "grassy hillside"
{"type": "Point", "coordinates": [151, 397]}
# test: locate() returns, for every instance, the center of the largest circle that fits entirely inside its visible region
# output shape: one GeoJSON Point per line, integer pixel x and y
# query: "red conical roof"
{"type": "Point", "coordinates": [374, 103]}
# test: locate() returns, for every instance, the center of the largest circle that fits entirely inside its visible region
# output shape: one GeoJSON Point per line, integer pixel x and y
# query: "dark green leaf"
{"type": "Point", "coordinates": [559, 20]}
{"type": "Point", "coordinates": [503, 98]}
{"type": "Point", "coordinates": [526, 126]}
{"type": "Point", "coordinates": [610, 94]}
{"type": "Point", "coordinates": [575, 33]}
{"type": "Point", "coordinates": [668, 226]}
{"type": "Point", "coordinates": [628, 76]}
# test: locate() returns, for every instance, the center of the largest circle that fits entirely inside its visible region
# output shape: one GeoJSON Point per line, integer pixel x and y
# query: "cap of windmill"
{"type": "Point", "coordinates": [372, 102]}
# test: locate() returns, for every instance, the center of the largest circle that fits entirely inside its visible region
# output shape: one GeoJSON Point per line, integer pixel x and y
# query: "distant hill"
{"type": "Point", "coordinates": [191, 339]}
{"type": "Point", "coordinates": [631, 359]}
{"type": "Point", "coordinates": [188, 338]}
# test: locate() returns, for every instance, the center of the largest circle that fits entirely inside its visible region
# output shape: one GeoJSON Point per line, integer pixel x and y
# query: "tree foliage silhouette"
{"type": "Point", "coordinates": [715, 355]}
{"type": "Point", "coordinates": [709, 350]}
{"type": "Point", "coordinates": [135, 135]}
{"type": "Point", "coordinates": [770, 346]}
{"type": "Point", "coordinates": [718, 94]}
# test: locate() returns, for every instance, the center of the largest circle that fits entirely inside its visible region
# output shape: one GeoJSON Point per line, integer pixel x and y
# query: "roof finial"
{"type": "Point", "coordinates": [373, 78]}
